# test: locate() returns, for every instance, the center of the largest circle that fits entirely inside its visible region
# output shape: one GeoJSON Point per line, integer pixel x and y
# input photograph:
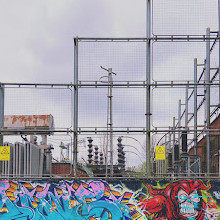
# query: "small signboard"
{"type": "Point", "coordinates": [160, 153]}
{"type": "Point", "coordinates": [4, 153]}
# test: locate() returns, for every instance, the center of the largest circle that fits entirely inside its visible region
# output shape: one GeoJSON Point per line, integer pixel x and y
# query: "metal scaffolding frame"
{"type": "Point", "coordinates": [149, 84]}
{"type": "Point", "coordinates": [210, 39]}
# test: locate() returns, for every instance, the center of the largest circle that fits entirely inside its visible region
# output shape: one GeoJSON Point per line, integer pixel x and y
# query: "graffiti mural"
{"type": "Point", "coordinates": [112, 200]}
{"type": "Point", "coordinates": [76, 200]}
{"type": "Point", "coordinates": [186, 199]}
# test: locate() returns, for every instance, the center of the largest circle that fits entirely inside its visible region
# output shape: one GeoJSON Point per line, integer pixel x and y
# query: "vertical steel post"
{"type": "Point", "coordinates": [75, 114]}
{"type": "Point", "coordinates": [219, 163]}
{"type": "Point", "coordinates": [110, 81]}
{"type": "Point", "coordinates": [219, 65]}
{"type": "Point", "coordinates": [165, 164]}
{"type": "Point", "coordinates": [173, 141]}
{"type": "Point", "coordinates": [207, 97]}
{"type": "Point", "coordinates": [186, 107]}
{"type": "Point", "coordinates": [160, 167]}
{"type": "Point", "coordinates": [179, 122]}
{"type": "Point", "coordinates": [195, 106]}
{"type": "Point", "coordinates": [188, 166]}
{"type": "Point", "coordinates": [106, 158]}
{"type": "Point", "coordinates": [186, 123]}
{"type": "Point", "coordinates": [2, 102]}
{"type": "Point", "coordinates": [219, 47]}
{"type": "Point", "coordinates": [170, 151]}
{"type": "Point", "coordinates": [68, 151]}
{"type": "Point", "coordinates": [148, 89]}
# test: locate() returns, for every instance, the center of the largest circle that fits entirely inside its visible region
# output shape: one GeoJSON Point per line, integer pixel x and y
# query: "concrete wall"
{"type": "Point", "coordinates": [109, 200]}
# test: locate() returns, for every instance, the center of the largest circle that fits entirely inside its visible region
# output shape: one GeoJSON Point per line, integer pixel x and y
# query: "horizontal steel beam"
{"type": "Point", "coordinates": [22, 131]}
{"type": "Point", "coordinates": [167, 176]}
{"type": "Point", "coordinates": [155, 84]}
{"type": "Point", "coordinates": [114, 84]}
{"type": "Point", "coordinates": [154, 38]}
{"type": "Point", "coordinates": [98, 130]}
{"type": "Point", "coordinates": [38, 84]}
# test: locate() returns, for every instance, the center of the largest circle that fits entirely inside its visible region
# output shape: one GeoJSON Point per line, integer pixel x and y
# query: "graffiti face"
{"type": "Point", "coordinates": [188, 203]}
{"type": "Point", "coordinates": [185, 199]}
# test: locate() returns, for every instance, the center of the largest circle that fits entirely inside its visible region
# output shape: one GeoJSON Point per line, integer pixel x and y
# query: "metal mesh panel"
{"type": "Point", "coordinates": [164, 109]}
{"type": "Point", "coordinates": [165, 105]}
{"type": "Point", "coordinates": [36, 101]}
{"type": "Point", "coordinates": [188, 17]}
{"type": "Point", "coordinates": [134, 147]}
{"type": "Point", "coordinates": [214, 93]}
{"type": "Point", "coordinates": [128, 107]}
{"type": "Point", "coordinates": [174, 61]}
{"type": "Point", "coordinates": [92, 107]}
{"type": "Point", "coordinates": [127, 59]}
{"type": "Point", "coordinates": [59, 154]}
{"type": "Point", "coordinates": [214, 56]}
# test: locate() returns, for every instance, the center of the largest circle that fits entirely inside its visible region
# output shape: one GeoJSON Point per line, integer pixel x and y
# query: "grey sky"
{"type": "Point", "coordinates": [36, 38]}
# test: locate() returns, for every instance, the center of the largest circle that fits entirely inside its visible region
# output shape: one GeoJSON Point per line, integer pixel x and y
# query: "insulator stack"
{"type": "Point", "coordinates": [96, 157]}
{"type": "Point", "coordinates": [101, 158]}
{"type": "Point", "coordinates": [121, 153]}
{"type": "Point", "coordinates": [90, 150]}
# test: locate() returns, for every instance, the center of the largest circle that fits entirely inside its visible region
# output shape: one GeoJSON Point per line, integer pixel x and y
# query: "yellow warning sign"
{"type": "Point", "coordinates": [160, 153]}
{"type": "Point", "coordinates": [4, 153]}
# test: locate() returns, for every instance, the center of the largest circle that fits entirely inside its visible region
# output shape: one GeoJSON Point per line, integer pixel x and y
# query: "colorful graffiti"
{"type": "Point", "coordinates": [112, 200]}
{"type": "Point", "coordinates": [65, 200]}
{"type": "Point", "coordinates": [186, 199]}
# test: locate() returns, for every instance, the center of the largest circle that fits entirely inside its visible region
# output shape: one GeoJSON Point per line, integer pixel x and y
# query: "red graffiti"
{"type": "Point", "coordinates": [178, 200]}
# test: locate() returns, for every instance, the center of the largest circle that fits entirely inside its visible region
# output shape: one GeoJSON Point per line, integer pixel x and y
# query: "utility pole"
{"type": "Point", "coordinates": [110, 120]}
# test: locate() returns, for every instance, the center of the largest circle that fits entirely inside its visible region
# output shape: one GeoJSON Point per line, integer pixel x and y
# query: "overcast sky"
{"type": "Point", "coordinates": [36, 40]}
{"type": "Point", "coordinates": [36, 37]}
